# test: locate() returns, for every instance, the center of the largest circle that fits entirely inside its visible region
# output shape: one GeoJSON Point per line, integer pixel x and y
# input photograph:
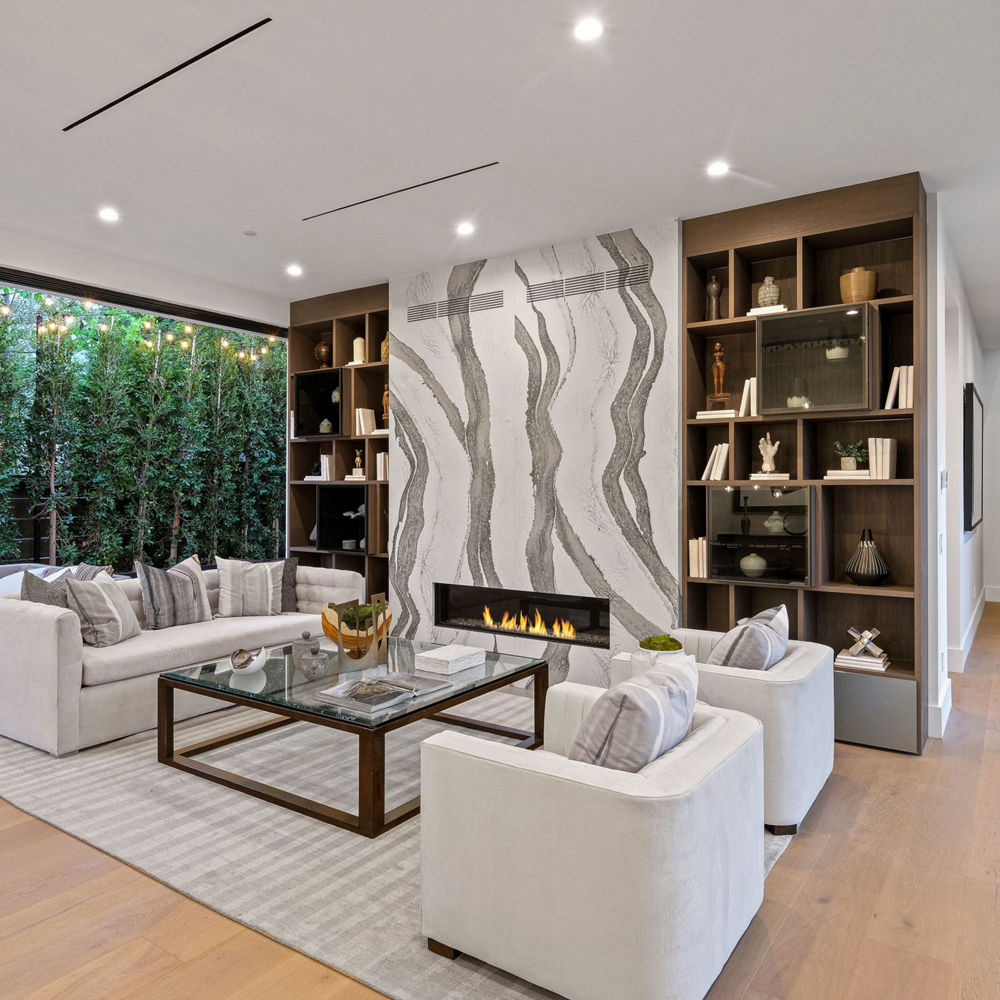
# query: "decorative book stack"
{"type": "Point", "coordinates": [748, 401]}
{"type": "Point", "coordinates": [715, 414]}
{"type": "Point", "coordinates": [326, 471]}
{"type": "Point", "coordinates": [770, 475]}
{"type": "Point", "coordinates": [882, 458]}
{"type": "Point", "coordinates": [900, 394]}
{"type": "Point", "coordinates": [698, 557]}
{"type": "Point", "coordinates": [717, 466]}
{"type": "Point", "coordinates": [848, 474]}
{"type": "Point", "coordinates": [382, 465]}
{"type": "Point", "coordinates": [862, 661]}
{"type": "Point", "coordinates": [364, 421]}
{"type": "Point", "coordinates": [449, 659]}
{"type": "Point", "coordinates": [767, 310]}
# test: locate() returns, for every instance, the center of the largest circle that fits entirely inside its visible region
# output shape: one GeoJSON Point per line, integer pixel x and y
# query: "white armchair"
{"type": "Point", "coordinates": [591, 882]}
{"type": "Point", "coordinates": [793, 700]}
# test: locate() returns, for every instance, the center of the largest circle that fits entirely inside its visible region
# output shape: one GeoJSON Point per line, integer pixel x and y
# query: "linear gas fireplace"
{"type": "Point", "coordinates": [551, 617]}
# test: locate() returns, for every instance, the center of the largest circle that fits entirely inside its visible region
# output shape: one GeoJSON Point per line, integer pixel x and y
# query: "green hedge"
{"type": "Point", "coordinates": [139, 437]}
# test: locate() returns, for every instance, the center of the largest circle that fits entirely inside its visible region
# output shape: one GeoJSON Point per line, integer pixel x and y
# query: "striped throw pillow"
{"type": "Point", "coordinates": [247, 588]}
{"type": "Point", "coordinates": [106, 617]}
{"type": "Point", "coordinates": [175, 596]}
{"type": "Point", "coordinates": [642, 718]}
{"type": "Point", "coordinates": [756, 643]}
{"type": "Point", "coordinates": [87, 572]}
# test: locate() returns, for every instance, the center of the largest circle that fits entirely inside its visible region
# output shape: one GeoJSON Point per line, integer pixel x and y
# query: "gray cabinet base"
{"type": "Point", "coordinates": [876, 711]}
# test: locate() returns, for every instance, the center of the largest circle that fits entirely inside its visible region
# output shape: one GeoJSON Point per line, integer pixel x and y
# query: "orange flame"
{"type": "Point", "coordinates": [521, 623]}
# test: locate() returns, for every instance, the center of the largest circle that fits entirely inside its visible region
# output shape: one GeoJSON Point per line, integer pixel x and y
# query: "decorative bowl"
{"type": "Point", "coordinates": [248, 661]}
{"type": "Point", "coordinates": [354, 640]}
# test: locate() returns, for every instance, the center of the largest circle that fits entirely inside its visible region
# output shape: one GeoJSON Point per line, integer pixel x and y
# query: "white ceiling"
{"type": "Point", "coordinates": [338, 101]}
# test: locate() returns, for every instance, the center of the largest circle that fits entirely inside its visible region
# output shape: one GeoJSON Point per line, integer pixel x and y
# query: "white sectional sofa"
{"type": "Point", "coordinates": [793, 700]}
{"type": "Point", "coordinates": [593, 883]}
{"type": "Point", "coordinates": [60, 695]}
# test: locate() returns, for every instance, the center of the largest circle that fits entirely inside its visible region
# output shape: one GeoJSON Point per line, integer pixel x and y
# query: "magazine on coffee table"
{"type": "Point", "coordinates": [379, 693]}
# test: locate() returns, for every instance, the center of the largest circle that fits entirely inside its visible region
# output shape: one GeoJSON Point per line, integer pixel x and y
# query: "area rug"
{"type": "Point", "coordinates": [349, 902]}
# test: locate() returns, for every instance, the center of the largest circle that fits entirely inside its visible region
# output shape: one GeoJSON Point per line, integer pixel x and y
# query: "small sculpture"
{"type": "Point", "coordinates": [385, 405]}
{"type": "Point", "coordinates": [322, 352]}
{"type": "Point", "coordinates": [864, 642]}
{"type": "Point", "coordinates": [775, 523]}
{"type": "Point", "coordinates": [713, 290]}
{"type": "Point", "coordinates": [768, 294]}
{"type": "Point", "coordinates": [767, 451]}
{"type": "Point", "coordinates": [385, 347]}
{"type": "Point", "coordinates": [357, 458]}
{"type": "Point", "coordinates": [718, 369]}
{"type": "Point", "coordinates": [326, 427]}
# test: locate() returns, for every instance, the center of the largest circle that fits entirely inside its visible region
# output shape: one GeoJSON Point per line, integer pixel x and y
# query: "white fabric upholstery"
{"type": "Point", "coordinates": [43, 669]}
{"type": "Point", "coordinates": [793, 700]}
{"type": "Point", "coordinates": [625, 885]}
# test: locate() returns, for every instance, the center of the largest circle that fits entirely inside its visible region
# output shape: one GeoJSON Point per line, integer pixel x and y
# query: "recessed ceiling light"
{"type": "Point", "coordinates": [717, 168]}
{"type": "Point", "coordinates": [465, 229]}
{"type": "Point", "coordinates": [249, 232]}
{"type": "Point", "coordinates": [108, 214]}
{"type": "Point", "coordinates": [588, 29]}
{"type": "Point", "coordinates": [295, 270]}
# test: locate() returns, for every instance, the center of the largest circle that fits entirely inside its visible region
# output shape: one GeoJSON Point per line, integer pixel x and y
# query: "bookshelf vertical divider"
{"type": "Point", "coordinates": [806, 244]}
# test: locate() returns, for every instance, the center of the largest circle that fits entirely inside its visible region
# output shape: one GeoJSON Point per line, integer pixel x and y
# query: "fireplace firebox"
{"type": "Point", "coordinates": [530, 614]}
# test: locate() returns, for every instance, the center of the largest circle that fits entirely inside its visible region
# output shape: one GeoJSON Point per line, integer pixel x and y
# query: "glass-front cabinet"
{"type": "Point", "coordinates": [814, 359]}
{"type": "Point", "coordinates": [759, 533]}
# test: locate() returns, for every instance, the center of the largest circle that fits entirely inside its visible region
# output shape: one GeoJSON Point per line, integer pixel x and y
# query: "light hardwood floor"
{"type": "Point", "coordinates": [890, 890]}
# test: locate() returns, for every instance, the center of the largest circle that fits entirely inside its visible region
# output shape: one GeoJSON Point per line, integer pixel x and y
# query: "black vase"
{"type": "Point", "coordinates": [866, 567]}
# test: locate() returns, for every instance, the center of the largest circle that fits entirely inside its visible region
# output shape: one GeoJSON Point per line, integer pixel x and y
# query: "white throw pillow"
{"type": "Point", "coordinates": [642, 718]}
{"type": "Point", "coordinates": [756, 643]}
{"type": "Point", "coordinates": [247, 588]}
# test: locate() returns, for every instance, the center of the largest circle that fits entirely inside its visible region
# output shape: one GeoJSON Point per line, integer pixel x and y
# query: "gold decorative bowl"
{"type": "Point", "coordinates": [354, 640]}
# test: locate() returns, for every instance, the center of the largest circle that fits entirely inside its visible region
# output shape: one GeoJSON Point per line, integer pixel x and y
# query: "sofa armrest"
{"type": "Point", "coordinates": [318, 586]}
{"type": "Point", "coordinates": [566, 706]}
{"type": "Point", "coordinates": [41, 672]}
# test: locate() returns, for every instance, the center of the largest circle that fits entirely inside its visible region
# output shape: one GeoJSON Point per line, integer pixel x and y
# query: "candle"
{"type": "Point", "coordinates": [359, 350]}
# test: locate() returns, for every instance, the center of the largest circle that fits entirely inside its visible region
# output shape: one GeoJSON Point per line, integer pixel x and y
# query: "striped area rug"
{"type": "Point", "coordinates": [349, 902]}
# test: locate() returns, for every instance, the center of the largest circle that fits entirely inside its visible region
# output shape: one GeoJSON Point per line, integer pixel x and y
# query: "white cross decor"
{"type": "Point", "coordinates": [865, 644]}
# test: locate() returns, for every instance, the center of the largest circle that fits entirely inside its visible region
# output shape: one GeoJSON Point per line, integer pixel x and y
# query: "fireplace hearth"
{"type": "Point", "coordinates": [529, 614]}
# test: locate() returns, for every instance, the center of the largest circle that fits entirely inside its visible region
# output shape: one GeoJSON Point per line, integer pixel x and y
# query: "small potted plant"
{"type": "Point", "coordinates": [656, 649]}
{"type": "Point", "coordinates": [851, 453]}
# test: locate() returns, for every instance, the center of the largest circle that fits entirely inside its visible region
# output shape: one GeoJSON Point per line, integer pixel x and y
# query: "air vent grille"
{"type": "Point", "coordinates": [455, 307]}
{"type": "Point", "coordinates": [583, 284]}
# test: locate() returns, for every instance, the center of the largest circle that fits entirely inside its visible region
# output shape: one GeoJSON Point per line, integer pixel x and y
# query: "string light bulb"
{"type": "Point", "coordinates": [5, 310]}
{"type": "Point", "coordinates": [263, 350]}
{"type": "Point", "coordinates": [48, 300]}
{"type": "Point", "coordinates": [271, 340]}
{"type": "Point", "coordinates": [185, 344]}
{"type": "Point", "coordinates": [52, 327]}
{"type": "Point", "coordinates": [147, 325]}
{"type": "Point", "coordinates": [170, 338]}
{"type": "Point", "coordinates": [189, 329]}
{"type": "Point", "coordinates": [225, 343]}
{"type": "Point", "coordinates": [242, 355]}
{"type": "Point", "coordinates": [87, 304]}
{"type": "Point", "coordinates": [104, 328]}
{"type": "Point", "coordinates": [62, 329]}
{"type": "Point", "coordinates": [68, 320]}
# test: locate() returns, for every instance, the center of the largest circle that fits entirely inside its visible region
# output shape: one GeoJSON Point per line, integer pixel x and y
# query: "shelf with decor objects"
{"type": "Point", "coordinates": [338, 429]}
{"type": "Point", "coordinates": [836, 345]}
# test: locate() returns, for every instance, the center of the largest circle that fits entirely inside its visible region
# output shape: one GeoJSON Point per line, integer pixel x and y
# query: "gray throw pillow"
{"type": "Point", "coordinates": [41, 591]}
{"type": "Point", "coordinates": [106, 617]}
{"type": "Point", "coordinates": [642, 718]}
{"type": "Point", "coordinates": [247, 588]}
{"type": "Point", "coordinates": [756, 643]}
{"type": "Point", "coordinates": [175, 596]}
{"type": "Point", "coordinates": [87, 572]}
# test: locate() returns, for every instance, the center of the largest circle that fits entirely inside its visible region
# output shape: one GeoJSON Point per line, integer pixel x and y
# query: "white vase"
{"type": "Point", "coordinates": [646, 659]}
{"type": "Point", "coordinates": [753, 565]}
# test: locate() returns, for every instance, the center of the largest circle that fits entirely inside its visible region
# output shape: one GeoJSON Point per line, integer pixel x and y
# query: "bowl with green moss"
{"type": "Point", "coordinates": [656, 650]}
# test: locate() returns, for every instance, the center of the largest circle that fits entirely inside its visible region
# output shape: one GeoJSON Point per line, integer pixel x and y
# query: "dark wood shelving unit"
{"type": "Point", "coordinates": [806, 243]}
{"type": "Point", "coordinates": [338, 319]}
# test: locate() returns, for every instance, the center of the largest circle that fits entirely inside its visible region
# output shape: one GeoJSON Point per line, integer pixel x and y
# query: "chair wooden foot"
{"type": "Point", "coordinates": [782, 831]}
{"type": "Point", "coordinates": [442, 949]}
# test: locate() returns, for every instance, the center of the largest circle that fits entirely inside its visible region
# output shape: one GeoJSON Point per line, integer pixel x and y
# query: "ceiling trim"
{"type": "Point", "coordinates": [141, 303]}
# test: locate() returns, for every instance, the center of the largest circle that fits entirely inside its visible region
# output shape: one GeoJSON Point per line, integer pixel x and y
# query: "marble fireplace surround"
{"type": "Point", "coordinates": [534, 438]}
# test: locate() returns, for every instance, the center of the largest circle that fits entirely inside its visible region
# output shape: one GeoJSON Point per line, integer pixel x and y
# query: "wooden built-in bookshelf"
{"type": "Point", "coordinates": [806, 243]}
{"type": "Point", "coordinates": [316, 524]}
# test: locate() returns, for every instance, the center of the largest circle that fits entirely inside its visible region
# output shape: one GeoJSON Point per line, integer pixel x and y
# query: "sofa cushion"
{"type": "Point", "coordinates": [106, 617]}
{"type": "Point", "coordinates": [635, 722]}
{"type": "Point", "coordinates": [249, 589]}
{"type": "Point", "coordinates": [756, 643]}
{"type": "Point", "coordinates": [34, 588]}
{"type": "Point", "coordinates": [153, 652]}
{"type": "Point", "coordinates": [85, 571]}
{"type": "Point", "coordinates": [175, 596]}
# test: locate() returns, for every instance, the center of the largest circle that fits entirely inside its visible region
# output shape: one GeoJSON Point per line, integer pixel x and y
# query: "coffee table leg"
{"type": "Point", "coordinates": [164, 720]}
{"type": "Point", "coordinates": [541, 689]}
{"type": "Point", "coordinates": [371, 783]}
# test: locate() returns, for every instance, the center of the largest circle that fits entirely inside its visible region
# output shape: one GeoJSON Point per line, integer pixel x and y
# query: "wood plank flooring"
{"type": "Point", "coordinates": [890, 890]}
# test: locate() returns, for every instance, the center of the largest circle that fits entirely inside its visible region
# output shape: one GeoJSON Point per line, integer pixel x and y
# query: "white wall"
{"type": "Point", "coordinates": [988, 384]}
{"type": "Point", "coordinates": [28, 253]}
{"type": "Point", "coordinates": [960, 575]}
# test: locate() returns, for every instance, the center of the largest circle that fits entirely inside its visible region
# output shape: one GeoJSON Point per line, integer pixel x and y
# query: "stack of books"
{"type": "Point", "coordinates": [326, 471]}
{"type": "Point", "coordinates": [698, 557]}
{"type": "Point", "coordinates": [748, 402]}
{"type": "Point", "coordinates": [900, 394]}
{"type": "Point", "coordinates": [862, 661]}
{"type": "Point", "coordinates": [715, 414]}
{"type": "Point", "coordinates": [770, 475]}
{"type": "Point", "coordinates": [449, 659]}
{"type": "Point", "coordinates": [717, 466]}
{"type": "Point", "coordinates": [382, 465]}
{"type": "Point", "coordinates": [364, 421]}
{"type": "Point", "coordinates": [767, 310]}
{"type": "Point", "coordinates": [882, 458]}
{"type": "Point", "coordinates": [848, 474]}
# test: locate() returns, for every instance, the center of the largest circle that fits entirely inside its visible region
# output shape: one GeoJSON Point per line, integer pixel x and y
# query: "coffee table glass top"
{"type": "Point", "coordinates": [285, 683]}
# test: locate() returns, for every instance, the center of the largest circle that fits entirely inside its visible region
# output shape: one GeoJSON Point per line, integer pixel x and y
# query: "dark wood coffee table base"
{"type": "Point", "coordinates": [372, 818]}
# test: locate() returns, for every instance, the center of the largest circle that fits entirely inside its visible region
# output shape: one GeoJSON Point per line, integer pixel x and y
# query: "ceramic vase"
{"type": "Point", "coordinates": [866, 567]}
{"type": "Point", "coordinates": [768, 294]}
{"type": "Point", "coordinates": [646, 659]}
{"type": "Point", "coordinates": [848, 464]}
{"type": "Point", "coordinates": [323, 352]}
{"type": "Point", "coordinates": [753, 565]}
{"type": "Point", "coordinates": [713, 290]}
{"type": "Point", "coordinates": [858, 285]}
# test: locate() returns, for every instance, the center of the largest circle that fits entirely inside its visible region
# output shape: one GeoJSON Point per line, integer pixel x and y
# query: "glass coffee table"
{"type": "Point", "coordinates": [283, 690]}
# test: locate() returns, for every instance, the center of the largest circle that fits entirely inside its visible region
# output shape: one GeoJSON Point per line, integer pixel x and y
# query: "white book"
{"type": "Point", "coordinates": [721, 467]}
{"type": "Point", "coordinates": [889, 464]}
{"type": "Point", "coordinates": [873, 457]}
{"type": "Point", "coordinates": [765, 310]}
{"type": "Point", "coordinates": [848, 474]}
{"type": "Point", "coordinates": [882, 456]}
{"type": "Point", "coordinates": [770, 475]}
{"type": "Point", "coordinates": [710, 464]}
{"type": "Point", "coordinates": [911, 388]}
{"type": "Point", "coordinates": [890, 396]}
{"type": "Point", "coordinates": [693, 567]}
{"type": "Point", "coordinates": [703, 556]}
{"type": "Point", "coordinates": [715, 414]}
{"type": "Point", "coordinates": [380, 432]}
{"type": "Point", "coordinates": [907, 384]}
{"type": "Point", "coordinates": [745, 399]}
{"type": "Point", "coordinates": [753, 396]}
{"type": "Point", "coordinates": [449, 659]}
